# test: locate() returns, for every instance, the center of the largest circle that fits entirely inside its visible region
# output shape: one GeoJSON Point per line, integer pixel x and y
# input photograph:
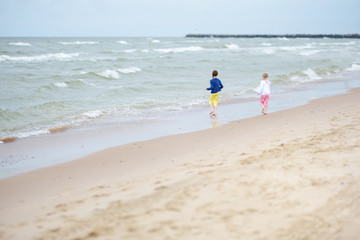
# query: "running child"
{"type": "Point", "coordinates": [215, 87]}
{"type": "Point", "coordinates": [264, 91]}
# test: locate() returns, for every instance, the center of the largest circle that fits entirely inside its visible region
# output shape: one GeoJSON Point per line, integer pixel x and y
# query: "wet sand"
{"type": "Point", "coordinates": [292, 174]}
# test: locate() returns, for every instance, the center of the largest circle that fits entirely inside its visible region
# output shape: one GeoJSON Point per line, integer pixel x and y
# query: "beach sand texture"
{"type": "Point", "coordinates": [293, 174]}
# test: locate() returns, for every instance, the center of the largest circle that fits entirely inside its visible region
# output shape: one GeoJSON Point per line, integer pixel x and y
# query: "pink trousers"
{"type": "Point", "coordinates": [264, 99]}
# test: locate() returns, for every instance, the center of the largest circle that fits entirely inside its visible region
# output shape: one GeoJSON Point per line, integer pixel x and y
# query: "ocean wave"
{"type": "Point", "coordinates": [294, 48]}
{"type": "Point", "coordinates": [354, 67]}
{"type": "Point", "coordinates": [130, 50]}
{"type": "Point", "coordinates": [306, 76]}
{"type": "Point", "coordinates": [67, 84]}
{"type": "Point", "coordinates": [25, 134]}
{"type": "Point", "coordinates": [232, 46]}
{"type": "Point", "coordinates": [122, 42]}
{"type": "Point", "coordinates": [194, 41]}
{"type": "Point", "coordinates": [179, 49]}
{"type": "Point", "coordinates": [308, 52]}
{"type": "Point", "coordinates": [92, 114]}
{"type": "Point", "coordinates": [338, 43]}
{"type": "Point", "coordinates": [20, 44]}
{"type": "Point", "coordinates": [109, 74]}
{"type": "Point", "coordinates": [266, 44]}
{"type": "Point", "coordinates": [129, 70]}
{"type": "Point", "coordinates": [30, 133]}
{"type": "Point", "coordinates": [79, 43]}
{"type": "Point", "coordinates": [298, 50]}
{"type": "Point", "coordinates": [155, 41]}
{"type": "Point", "coordinates": [50, 56]}
{"type": "Point", "coordinates": [61, 85]}
{"type": "Point", "coordinates": [7, 136]}
{"type": "Point", "coordinates": [33, 133]}
{"type": "Point", "coordinates": [312, 75]}
{"type": "Point", "coordinates": [268, 50]}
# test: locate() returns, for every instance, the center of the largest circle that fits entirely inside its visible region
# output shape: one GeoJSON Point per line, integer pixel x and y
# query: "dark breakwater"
{"type": "Point", "coordinates": [355, 35]}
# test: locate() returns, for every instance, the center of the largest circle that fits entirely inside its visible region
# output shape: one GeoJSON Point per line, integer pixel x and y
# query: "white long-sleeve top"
{"type": "Point", "coordinates": [264, 87]}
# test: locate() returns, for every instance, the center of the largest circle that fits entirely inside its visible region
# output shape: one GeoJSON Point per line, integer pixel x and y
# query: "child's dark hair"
{"type": "Point", "coordinates": [215, 73]}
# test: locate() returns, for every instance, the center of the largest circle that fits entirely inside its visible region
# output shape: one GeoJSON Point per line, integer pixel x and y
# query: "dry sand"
{"type": "Point", "coordinates": [293, 174]}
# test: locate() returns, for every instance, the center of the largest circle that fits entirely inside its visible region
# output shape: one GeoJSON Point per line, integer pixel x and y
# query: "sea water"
{"type": "Point", "coordinates": [48, 85]}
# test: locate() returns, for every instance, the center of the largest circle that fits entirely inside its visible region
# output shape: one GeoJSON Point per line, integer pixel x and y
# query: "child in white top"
{"type": "Point", "coordinates": [264, 92]}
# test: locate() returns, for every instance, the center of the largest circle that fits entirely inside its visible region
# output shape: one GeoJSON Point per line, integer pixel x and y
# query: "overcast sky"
{"type": "Point", "coordinates": [176, 17]}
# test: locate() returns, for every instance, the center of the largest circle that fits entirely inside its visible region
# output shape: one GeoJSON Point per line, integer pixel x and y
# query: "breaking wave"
{"type": "Point", "coordinates": [20, 44]}
{"type": "Point", "coordinates": [50, 56]}
{"type": "Point", "coordinates": [129, 70]}
{"type": "Point", "coordinates": [232, 46]}
{"type": "Point", "coordinates": [109, 74]}
{"type": "Point", "coordinates": [179, 49]}
{"type": "Point", "coordinates": [79, 43]}
{"type": "Point", "coordinates": [61, 85]}
{"type": "Point", "coordinates": [354, 67]}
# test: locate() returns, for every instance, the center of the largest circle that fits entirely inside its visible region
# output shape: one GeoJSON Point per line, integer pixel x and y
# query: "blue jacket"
{"type": "Point", "coordinates": [215, 85]}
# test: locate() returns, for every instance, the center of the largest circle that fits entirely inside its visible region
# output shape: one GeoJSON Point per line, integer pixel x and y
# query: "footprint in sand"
{"type": "Point", "coordinates": [61, 207]}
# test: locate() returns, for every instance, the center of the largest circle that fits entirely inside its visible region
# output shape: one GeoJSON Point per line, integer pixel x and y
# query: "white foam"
{"type": "Point", "coordinates": [4, 57]}
{"type": "Point", "coordinates": [295, 48]}
{"type": "Point", "coordinates": [32, 133]}
{"type": "Point", "coordinates": [93, 114]}
{"type": "Point", "coordinates": [339, 43]}
{"type": "Point", "coordinates": [109, 74]}
{"type": "Point", "coordinates": [354, 67]}
{"type": "Point", "coordinates": [130, 50]}
{"type": "Point", "coordinates": [232, 46]}
{"type": "Point", "coordinates": [312, 74]}
{"type": "Point", "coordinates": [155, 41]}
{"type": "Point", "coordinates": [194, 41]}
{"type": "Point", "coordinates": [307, 75]}
{"type": "Point", "coordinates": [61, 85]}
{"type": "Point", "coordinates": [129, 70]}
{"type": "Point", "coordinates": [266, 44]}
{"type": "Point", "coordinates": [20, 44]}
{"type": "Point", "coordinates": [179, 49]}
{"type": "Point", "coordinates": [122, 42]}
{"type": "Point", "coordinates": [50, 56]}
{"type": "Point", "coordinates": [79, 42]}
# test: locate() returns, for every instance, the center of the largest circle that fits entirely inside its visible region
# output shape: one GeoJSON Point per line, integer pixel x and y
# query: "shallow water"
{"type": "Point", "coordinates": [56, 83]}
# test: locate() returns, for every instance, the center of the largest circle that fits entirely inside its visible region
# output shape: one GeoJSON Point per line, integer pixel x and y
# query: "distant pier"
{"type": "Point", "coordinates": [355, 35]}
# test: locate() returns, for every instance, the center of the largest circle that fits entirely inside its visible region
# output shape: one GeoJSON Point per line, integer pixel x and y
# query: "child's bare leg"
{"type": "Point", "coordinates": [212, 108]}
{"type": "Point", "coordinates": [215, 110]}
{"type": "Point", "coordinates": [262, 108]}
{"type": "Point", "coordinates": [265, 109]}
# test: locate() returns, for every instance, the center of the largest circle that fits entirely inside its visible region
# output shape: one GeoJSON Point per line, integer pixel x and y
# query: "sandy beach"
{"type": "Point", "coordinates": [292, 174]}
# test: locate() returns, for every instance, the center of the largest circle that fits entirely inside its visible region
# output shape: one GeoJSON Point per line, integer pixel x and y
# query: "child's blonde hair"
{"type": "Point", "coordinates": [265, 75]}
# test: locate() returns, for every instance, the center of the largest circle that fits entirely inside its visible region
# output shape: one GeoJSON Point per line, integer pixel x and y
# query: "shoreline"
{"type": "Point", "coordinates": [41, 151]}
{"type": "Point", "coordinates": [300, 173]}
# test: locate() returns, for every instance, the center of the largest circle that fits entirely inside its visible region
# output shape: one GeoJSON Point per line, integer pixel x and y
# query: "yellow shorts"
{"type": "Point", "coordinates": [214, 99]}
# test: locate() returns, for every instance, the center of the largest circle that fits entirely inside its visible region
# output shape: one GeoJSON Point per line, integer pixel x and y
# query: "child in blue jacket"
{"type": "Point", "coordinates": [215, 87]}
